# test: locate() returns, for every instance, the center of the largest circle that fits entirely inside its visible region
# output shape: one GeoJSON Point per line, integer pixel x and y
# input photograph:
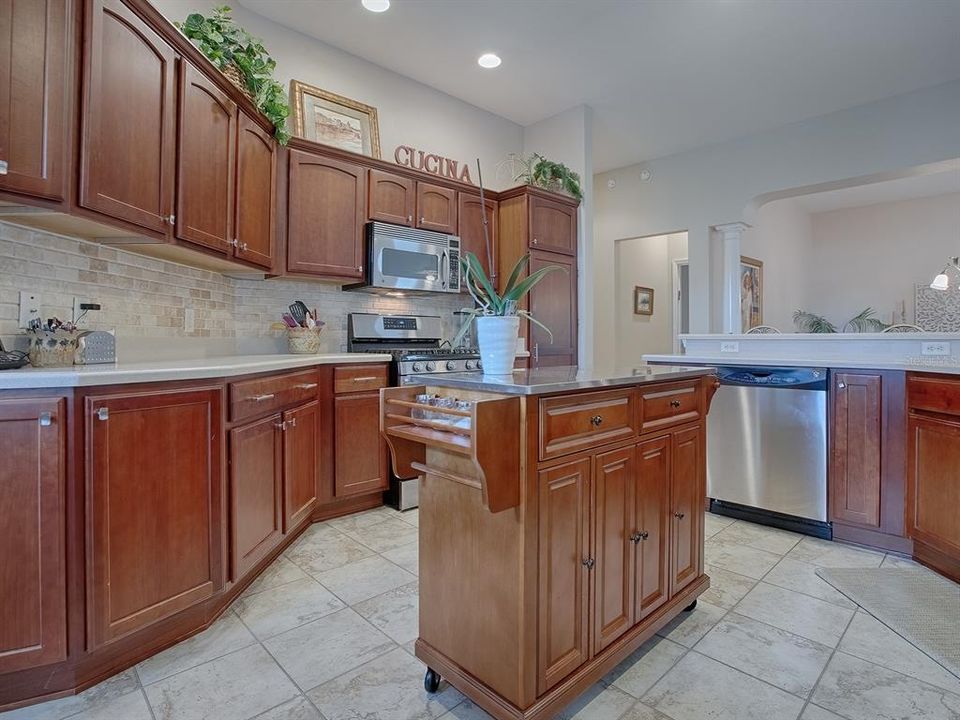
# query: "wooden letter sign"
{"type": "Point", "coordinates": [433, 164]}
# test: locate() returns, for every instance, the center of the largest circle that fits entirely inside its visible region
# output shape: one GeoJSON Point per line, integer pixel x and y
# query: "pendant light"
{"type": "Point", "coordinates": [942, 281]}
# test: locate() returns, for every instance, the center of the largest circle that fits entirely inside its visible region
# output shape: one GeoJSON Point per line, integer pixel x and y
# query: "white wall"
{"type": "Point", "coordinates": [647, 262]}
{"type": "Point", "coordinates": [409, 112]}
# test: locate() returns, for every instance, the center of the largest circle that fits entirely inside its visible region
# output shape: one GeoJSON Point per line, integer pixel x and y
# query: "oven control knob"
{"type": "Point", "coordinates": [479, 364]}
{"type": "Point", "coordinates": [431, 366]}
{"type": "Point", "coordinates": [417, 367]}
{"type": "Point", "coordinates": [451, 365]}
{"type": "Point", "coordinates": [471, 364]}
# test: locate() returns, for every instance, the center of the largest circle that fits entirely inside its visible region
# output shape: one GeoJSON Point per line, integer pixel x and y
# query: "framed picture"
{"type": "Point", "coordinates": [642, 300]}
{"type": "Point", "coordinates": [751, 293]}
{"type": "Point", "coordinates": [331, 119]}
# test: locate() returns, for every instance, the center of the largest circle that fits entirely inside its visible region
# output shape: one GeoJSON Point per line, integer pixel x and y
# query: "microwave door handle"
{"type": "Point", "coordinates": [444, 270]}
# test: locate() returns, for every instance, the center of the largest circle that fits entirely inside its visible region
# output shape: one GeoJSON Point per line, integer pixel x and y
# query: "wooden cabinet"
{"type": "Point", "coordinates": [360, 459]}
{"type": "Point", "coordinates": [153, 486]}
{"type": "Point", "coordinates": [301, 463]}
{"type": "Point", "coordinates": [206, 142]}
{"type": "Point", "coordinates": [553, 302]}
{"type": "Point", "coordinates": [393, 198]}
{"type": "Point", "coordinates": [325, 216]}
{"type": "Point", "coordinates": [471, 233]}
{"type": "Point", "coordinates": [35, 45]}
{"type": "Point", "coordinates": [564, 567]}
{"type": "Point", "coordinates": [255, 195]}
{"type": "Point", "coordinates": [687, 492]}
{"type": "Point", "coordinates": [579, 421]}
{"type": "Point", "coordinates": [33, 621]}
{"type": "Point", "coordinates": [553, 225]}
{"type": "Point", "coordinates": [127, 148]}
{"type": "Point", "coordinates": [651, 533]}
{"type": "Point", "coordinates": [436, 208]}
{"type": "Point", "coordinates": [256, 490]}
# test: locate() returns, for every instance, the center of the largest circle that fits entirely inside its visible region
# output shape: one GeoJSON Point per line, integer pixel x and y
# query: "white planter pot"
{"type": "Point", "coordinates": [497, 338]}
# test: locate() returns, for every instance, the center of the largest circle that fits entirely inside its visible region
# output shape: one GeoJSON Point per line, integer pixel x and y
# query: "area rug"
{"type": "Point", "coordinates": [917, 604]}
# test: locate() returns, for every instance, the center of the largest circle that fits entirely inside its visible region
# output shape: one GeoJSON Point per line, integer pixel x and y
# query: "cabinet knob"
{"type": "Point", "coordinates": [243, 247]}
{"type": "Point", "coordinates": [171, 219]}
{"type": "Point", "coordinates": [410, 218]}
{"type": "Point", "coordinates": [679, 515]}
{"type": "Point", "coordinates": [282, 425]}
{"type": "Point", "coordinates": [596, 420]}
{"type": "Point", "coordinates": [360, 268]}
{"type": "Point", "coordinates": [674, 403]}
{"type": "Point", "coordinates": [103, 413]}
{"type": "Point", "coordinates": [46, 419]}
{"type": "Point", "coordinates": [588, 563]}
{"type": "Point", "coordinates": [292, 422]}
{"type": "Point", "coordinates": [841, 385]}
{"type": "Point", "coordinates": [638, 536]}
{"type": "Point", "coordinates": [422, 219]}
{"type": "Point", "coordinates": [233, 243]}
{"type": "Point", "coordinates": [536, 241]}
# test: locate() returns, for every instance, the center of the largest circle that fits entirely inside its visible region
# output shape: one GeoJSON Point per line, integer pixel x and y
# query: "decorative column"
{"type": "Point", "coordinates": [730, 236]}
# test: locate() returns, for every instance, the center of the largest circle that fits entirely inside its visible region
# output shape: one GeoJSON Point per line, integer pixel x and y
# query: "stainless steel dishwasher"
{"type": "Point", "coordinates": [767, 447]}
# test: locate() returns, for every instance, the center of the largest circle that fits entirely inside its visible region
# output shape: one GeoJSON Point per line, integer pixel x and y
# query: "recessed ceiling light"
{"type": "Point", "coordinates": [489, 60]}
{"type": "Point", "coordinates": [377, 6]}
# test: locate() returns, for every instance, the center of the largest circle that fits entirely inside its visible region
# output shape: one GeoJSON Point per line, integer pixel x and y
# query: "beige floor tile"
{"type": "Point", "coordinates": [897, 561]}
{"type": "Point", "coordinates": [319, 651]}
{"type": "Point", "coordinates": [411, 516]}
{"type": "Point", "coordinates": [297, 709]}
{"type": "Point", "coordinates": [406, 556]}
{"type": "Point", "coordinates": [276, 610]}
{"type": "Point", "coordinates": [89, 700]}
{"type": "Point", "coordinates": [280, 572]}
{"type": "Point", "coordinates": [812, 712]}
{"type": "Point", "coordinates": [643, 712]}
{"type": "Point", "coordinates": [638, 673]}
{"type": "Point", "coordinates": [698, 688]}
{"type": "Point", "coordinates": [802, 577]}
{"type": "Point", "coordinates": [802, 615]}
{"type": "Point", "coordinates": [358, 521]}
{"type": "Point", "coordinates": [467, 711]}
{"type": "Point", "coordinates": [388, 688]}
{"type": "Point", "coordinates": [712, 524]}
{"type": "Point", "coordinates": [741, 559]}
{"type": "Point", "coordinates": [758, 536]}
{"type": "Point", "coordinates": [859, 690]}
{"type": "Point", "coordinates": [726, 588]}
{"type": "Point", "coordinates": [389, 534]}
{"type": "Point", "coordinates": [688, 627]}
{"type": "Point", "coordinates": [598, 703]}
{"type": "Point", "coordinates": [364, 579]}
{"type": "Point", "coordinates": [132, 706]}
{"type": "Point", "coordinates": [789, 661]}
{"type": "Point", "coordinates": [237, 686]}
{"type": "Point", "coordinates": [826, 553]}
{"type": "Point", "coordinates": [223, 637]}
{"type": "Point", "coordinates": [326, 550]}
{"type": "Point", "coordinates": [396, 613]}
{"type": "Point", "coordinates": [869, 639]}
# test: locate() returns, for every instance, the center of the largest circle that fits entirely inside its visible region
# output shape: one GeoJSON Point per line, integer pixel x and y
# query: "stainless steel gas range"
{"type": "Point", "coordinates": [418, 348]}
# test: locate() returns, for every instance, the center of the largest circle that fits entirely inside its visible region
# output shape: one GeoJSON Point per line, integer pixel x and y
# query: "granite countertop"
{"type": "Point", "coordinates": [543, 381]}
{"type": "Point", "coordinates": [162, 370]}
{"type": "Point", "coordinates": [932, 365]}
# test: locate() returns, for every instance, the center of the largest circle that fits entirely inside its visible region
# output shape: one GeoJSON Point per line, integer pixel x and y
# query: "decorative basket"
{"type": "Point", "coordinates": [52, 348]}
{"type": "Point", "coordinates": [303, 341]}
{"type": "Point", "coordinates": [233, 74]}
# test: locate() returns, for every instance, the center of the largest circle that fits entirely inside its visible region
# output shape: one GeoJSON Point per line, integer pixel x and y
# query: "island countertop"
{"type": "Point", "coordinates": [543, 381]}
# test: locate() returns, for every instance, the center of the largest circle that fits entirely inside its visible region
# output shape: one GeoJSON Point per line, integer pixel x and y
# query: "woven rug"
{"type": "Point", "coordinates": [915, 603]}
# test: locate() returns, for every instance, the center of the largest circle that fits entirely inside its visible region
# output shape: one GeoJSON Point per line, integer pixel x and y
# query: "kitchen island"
{"type": "Point", "coordinates": [561, 523]}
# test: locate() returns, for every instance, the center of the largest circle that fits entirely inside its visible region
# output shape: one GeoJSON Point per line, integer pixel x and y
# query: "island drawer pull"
{"type": "Point", "coordinates": [588, 563]}
{"type": "Point", "coordinates": [679, 515]}
{"type": "Point", "coordinates": [263, 398]}
{"type": "Point", "coordinates": [674, 403]}
{"type": "Point", "coordinates": [596, 420]}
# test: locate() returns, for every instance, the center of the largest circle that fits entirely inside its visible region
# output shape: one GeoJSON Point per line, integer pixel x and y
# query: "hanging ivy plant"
{"type": "Point", "coordinates": [244, 60]}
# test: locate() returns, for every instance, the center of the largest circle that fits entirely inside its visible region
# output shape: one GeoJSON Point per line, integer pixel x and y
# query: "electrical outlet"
{"type": "Point", "coordinates": [729, 347]}
{"type": "Point", "coordinates": [81, 306]}
{"type": "Point", "coordinates": [935, 348]}
{"type": "Point", "coordinates": [29, 307]}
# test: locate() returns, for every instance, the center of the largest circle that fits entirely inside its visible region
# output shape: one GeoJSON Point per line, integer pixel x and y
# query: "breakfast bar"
{"type": "Point", "coordinates": [561, 522]}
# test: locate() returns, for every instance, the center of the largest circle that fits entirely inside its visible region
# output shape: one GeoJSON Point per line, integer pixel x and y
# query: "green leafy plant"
{"type": "Point", "coordinates": [490, 302]}
{"type": "Point", "coordinates": [863, 322]}
{"type": "Point", "coordinates": [230, 47]}
{"type": "Point", "coordinates": [808, 322]}
{"type": "Point", "coordinates": [866, 322]}
{"type": "Point", "coordinates": [537, 170]}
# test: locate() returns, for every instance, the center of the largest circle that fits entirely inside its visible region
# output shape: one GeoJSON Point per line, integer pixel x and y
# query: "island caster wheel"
{"type": "Point", "coordinates": [431, 681]}
{"type": "Point", "coordinates": [691, 607]}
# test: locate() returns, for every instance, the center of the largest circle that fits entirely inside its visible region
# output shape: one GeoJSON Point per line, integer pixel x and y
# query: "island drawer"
{"type": "Point", "coordinates": [934, 394]}
{"type": "Point", "coordinates": [359, 378]}
{"type": "Point", "coordinates": [259, 396]}
{"type": "Point", "coordinates": [669, 404]}
{"type": "Point", "coordinates": [571, 423]}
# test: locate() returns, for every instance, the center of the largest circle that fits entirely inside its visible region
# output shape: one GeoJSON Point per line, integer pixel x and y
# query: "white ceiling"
{"type": "Point", "coordinates": [663, 76]}
{"type": "Point", "coordinates": [907, 188]}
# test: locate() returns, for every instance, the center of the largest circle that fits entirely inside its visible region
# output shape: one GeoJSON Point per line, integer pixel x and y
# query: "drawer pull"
{"type": "Point", "coordinates": [674, 403]}
{"type": "Point", "coordinates": [307, 386]}
{"type": "Point", "coordinates": [588, 563]}
{"type": "Point", "coordinates": [263, 398]}
{"type": "Point", "coordinates": [679, 515]}
{"type": "Point", "coordinates": [596, 420]}
{"type": "Point", "coordinates": [46, 419]}
{"type": "Point", "coordinates": [366, 378]}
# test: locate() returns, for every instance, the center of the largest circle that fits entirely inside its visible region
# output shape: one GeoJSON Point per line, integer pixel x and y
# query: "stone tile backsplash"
{"type": "Point", "coordinates": [145, 300]}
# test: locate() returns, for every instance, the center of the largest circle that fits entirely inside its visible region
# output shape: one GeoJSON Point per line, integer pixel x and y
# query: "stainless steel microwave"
{"type": "Point", "coordinates": [410, 260]}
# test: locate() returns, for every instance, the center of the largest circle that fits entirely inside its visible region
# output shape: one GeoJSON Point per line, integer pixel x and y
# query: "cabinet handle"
{"type": "Point", "coordinates": [103, 413]}
{"type": "Point", "coordinates": [679, 515]}
{"type": "Point", "coordinates": [410, 218]}
{"type": "Point", "coordinates": [233, 243]}
{"type": "Point", "coordinates": [292, 422]}
{"type": "Point", "coordinates": [422, 219]}
{"type": "Point", "coordinates": [282, 425]}
{"type": "Point", "coordinates": [536, 241]}
{"type": "Point", "coordinates": [638, 536]}
{"type": "Point", "coordinates": [536, 352]}
{"type": "Point", "coordinates": [3, 167]}
{"type": "Point", "coordinates": [596, 420]}
{"type": "Point", "coordinates": [46, 419]}
{"type": "Point", "coordinates": [841, 385]}
{"type": "Point", "coordinates": [674, 403]}
{"type": "Point", "coordinates": [243, 247]}
{"type": "Point", "coordinates": [360, 269]}
{"type": "Point", "coordinates": [366, 378]}
{"type": "Point", "coordinates": [263, 398]}
{"type": "Point", "coordinates": [307, 386]}
{"type": "Point", "coordinates": [588, 563]}
{"type": "Point", "coordinates": [171, 219]}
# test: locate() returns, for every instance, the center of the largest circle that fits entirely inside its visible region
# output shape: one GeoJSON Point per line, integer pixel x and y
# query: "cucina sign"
{"type": "Point", "coordinates": [433, 164]}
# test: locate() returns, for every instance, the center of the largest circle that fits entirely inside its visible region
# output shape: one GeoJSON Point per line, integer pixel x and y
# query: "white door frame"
{"type": "Point", "coordinates": [675, 288]}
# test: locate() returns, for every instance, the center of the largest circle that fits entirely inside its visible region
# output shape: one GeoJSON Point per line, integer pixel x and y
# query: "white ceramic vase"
{"type": "Point", "coordinates": [497, 338]}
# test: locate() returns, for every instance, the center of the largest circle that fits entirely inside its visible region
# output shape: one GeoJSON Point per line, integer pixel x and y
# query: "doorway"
{"type": "Point", "coordinates": [681, 301]}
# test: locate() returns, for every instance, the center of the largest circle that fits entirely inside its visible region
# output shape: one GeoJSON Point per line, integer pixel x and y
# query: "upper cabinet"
{"type": "Point", "coordinates": [393, 198]}
{"type": "Point", "coordinates": [553, 302]}
{"type": "Point", "coordinates": [471, 230]}
{"type": "Point", "coordinates": [553, 225]}
{"type": "Point", "coordinates": [128, 139]}
{"type": "Point", "coordinates": [254, 228]}
{"type": "Point", "coordinates": [436, 208]}
{"type": "Point", "coordinates": [325, 216]}
{"type": "Point", "coordinates": [35, 38]}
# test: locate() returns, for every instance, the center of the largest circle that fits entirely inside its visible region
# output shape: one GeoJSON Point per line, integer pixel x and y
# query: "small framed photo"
{"type": "Point", "coordinates": [642, 300]}
{"type": "Point", "coordinates": [332, 119]}
{"type": "Point", "coordinates": [751, 293]}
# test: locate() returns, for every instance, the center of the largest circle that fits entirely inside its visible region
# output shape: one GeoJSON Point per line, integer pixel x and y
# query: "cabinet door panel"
{"type": "Point", "coordinates": [553, 226]}
{"type": "Point", "coordinates": [301, 463]}
{"type": "Point", "coordinates": [613, 488]}
{"type": "Point", "coordinates": [471, 231]}
{"type": "Point", "coordinates": [653, 525]}
{"type": "Point", "coordinates": [33, 622]}
{"type": "Point", "coordinates": [255, 493]}
{"type": "Point", "coordinates": [392, 198]}
{"type": "Point", "coordinates": [360, 452]}
{"type": "Point", "coordinates": [436, 208]}
{"type": "Point", "coordinates": [128, 112]}
{"type": "Point", "coordinates": [553, 301]}
{"type": "Point", "coordinates": [855, 453]}
{"type": "Point", "coordinates": [255, 222]}
{"type": "Point", "coordinates": [933, 492]}
{"type": "Point", "coordinates": [564, 536]}
{"type": "Point", "coordinates": [327, 208]}
{"type": "Point", "coordinates": [34, 39]}
{"type": "Point", "coordinates": [687, 492]}
{"type": "Point", "coordinates": [205, 161]}
{"type": "Point", "coordinates": [154, 542]}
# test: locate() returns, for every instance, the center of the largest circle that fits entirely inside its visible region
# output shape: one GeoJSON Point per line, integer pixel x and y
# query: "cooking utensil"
{"type": "Point", "coordinates": [299, 312]}
{"type": "Point", "coordinates": [288, 320]}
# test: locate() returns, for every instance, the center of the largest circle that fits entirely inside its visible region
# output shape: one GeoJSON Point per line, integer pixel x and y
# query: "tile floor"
{"type": "Point", "coordinates": [326, 633]}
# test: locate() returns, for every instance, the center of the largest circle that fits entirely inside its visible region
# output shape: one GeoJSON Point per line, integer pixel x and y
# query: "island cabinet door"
{"type": "Point", "coordinates": [613, 575]}
{"type": "Point", "coordinates": [564, 572]}
{"type": "Point", "coordinates": [256, 484]}
{"type": "Point", "coordinates": [154, 503]}
{"type": "Point", "coordinates": [301, 463]}
{"type": "Point", "coordinates": [652, 526]}
{"type": "Point", "coordinates": [687, 491]}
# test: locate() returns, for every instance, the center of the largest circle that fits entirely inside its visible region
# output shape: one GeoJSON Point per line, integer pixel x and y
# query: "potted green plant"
{"type": "Point", "coordinates": [550, 175]}
{"type": "Point", "coordinates": [498, 314]}
{"type": "Point", "coordinates": [243, 60]}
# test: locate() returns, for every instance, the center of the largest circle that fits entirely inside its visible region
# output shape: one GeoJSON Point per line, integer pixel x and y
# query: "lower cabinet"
{"type": "Point", "coordinates": [652, 523]}
{"type": "Point", "coordinates": [688, 488]}
{"type": "Point", "coordinates": [301, 463]}
{"type": "Point", "coordinates": [33, 620]}
{"type": "Point", "coordinates": [360, 452]}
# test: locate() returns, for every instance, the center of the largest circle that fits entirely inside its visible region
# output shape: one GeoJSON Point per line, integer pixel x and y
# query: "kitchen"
{"type": "Point", "coordinates": [264, 575]}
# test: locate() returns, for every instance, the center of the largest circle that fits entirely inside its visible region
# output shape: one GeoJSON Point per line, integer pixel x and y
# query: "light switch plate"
{"type": "Point", "coordinates": [936, 347]}
{"type": "Point", "coordinates": [29, 307]}
{"type": "Point", "coordinates": [729, 347]}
